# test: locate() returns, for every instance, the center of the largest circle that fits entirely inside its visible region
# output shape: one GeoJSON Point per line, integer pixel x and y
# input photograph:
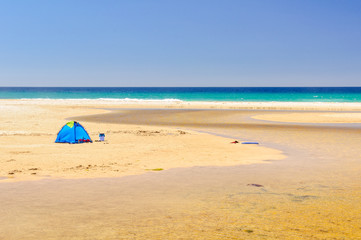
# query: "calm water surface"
{"type": "Point", "coordinates": [253, 94]}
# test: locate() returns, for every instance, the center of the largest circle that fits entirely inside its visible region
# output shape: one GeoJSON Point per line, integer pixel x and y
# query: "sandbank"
{"type": "Point", "coordinates": [28, 152]}
{"type": "Point", "coordinates": [29, 128]}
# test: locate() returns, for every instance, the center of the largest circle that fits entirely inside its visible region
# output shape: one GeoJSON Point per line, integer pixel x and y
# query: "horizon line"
{"type": "Point", "coordinates": [180, 87]}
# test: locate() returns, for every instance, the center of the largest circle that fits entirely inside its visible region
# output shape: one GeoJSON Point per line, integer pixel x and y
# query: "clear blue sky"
{"type": "Point", "coordinates": [180, 43]}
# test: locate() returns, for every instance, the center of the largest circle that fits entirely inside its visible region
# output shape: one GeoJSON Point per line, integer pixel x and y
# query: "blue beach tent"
{"type": "Point", "coordinates": [73, 132]}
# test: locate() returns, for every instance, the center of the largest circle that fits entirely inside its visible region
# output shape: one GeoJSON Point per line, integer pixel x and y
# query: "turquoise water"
{"type": "Point", "coordinates": [264, 94]}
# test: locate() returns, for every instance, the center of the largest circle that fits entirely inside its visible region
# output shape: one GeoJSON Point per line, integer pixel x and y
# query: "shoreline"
{"type": "Point", "coordinates": [308, 106]}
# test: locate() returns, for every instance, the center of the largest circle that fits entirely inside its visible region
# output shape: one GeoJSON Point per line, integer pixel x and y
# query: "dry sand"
{"type": "Point", "coordinates": [28, 152]}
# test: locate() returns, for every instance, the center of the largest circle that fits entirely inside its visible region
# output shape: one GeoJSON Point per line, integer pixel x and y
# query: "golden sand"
{"type": "Point", "coordinates": [28, 151]}
{"type": "Point", "coordinates": [313, 193]}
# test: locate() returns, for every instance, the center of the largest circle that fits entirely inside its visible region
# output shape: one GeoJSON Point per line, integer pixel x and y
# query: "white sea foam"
{"type": "Point", "coordinates": [105, 99]}
{"type": "Point", "coordinates": [185, 104]}
{"type": "Point", "coordinates": [88, 101]}
{"type": "Point", "coordinates": [140, 100]}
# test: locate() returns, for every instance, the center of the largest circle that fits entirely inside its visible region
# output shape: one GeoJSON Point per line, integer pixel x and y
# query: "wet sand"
{"type": "Point", "coordinates": [312, 194]}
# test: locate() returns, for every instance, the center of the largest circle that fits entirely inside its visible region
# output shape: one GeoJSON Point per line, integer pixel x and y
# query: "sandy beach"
{"type": "Point", "coordinates": [28, 132]}
{"type": "Point", "coordinates": [180, 120]}
{"type": "Point", "coordinates": [29, 129]}
{"type": "Point", "coordinates": [169, 171]}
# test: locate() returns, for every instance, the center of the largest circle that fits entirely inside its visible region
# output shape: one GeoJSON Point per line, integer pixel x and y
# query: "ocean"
{"type": "Point", "coordinates": [239, 94]}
